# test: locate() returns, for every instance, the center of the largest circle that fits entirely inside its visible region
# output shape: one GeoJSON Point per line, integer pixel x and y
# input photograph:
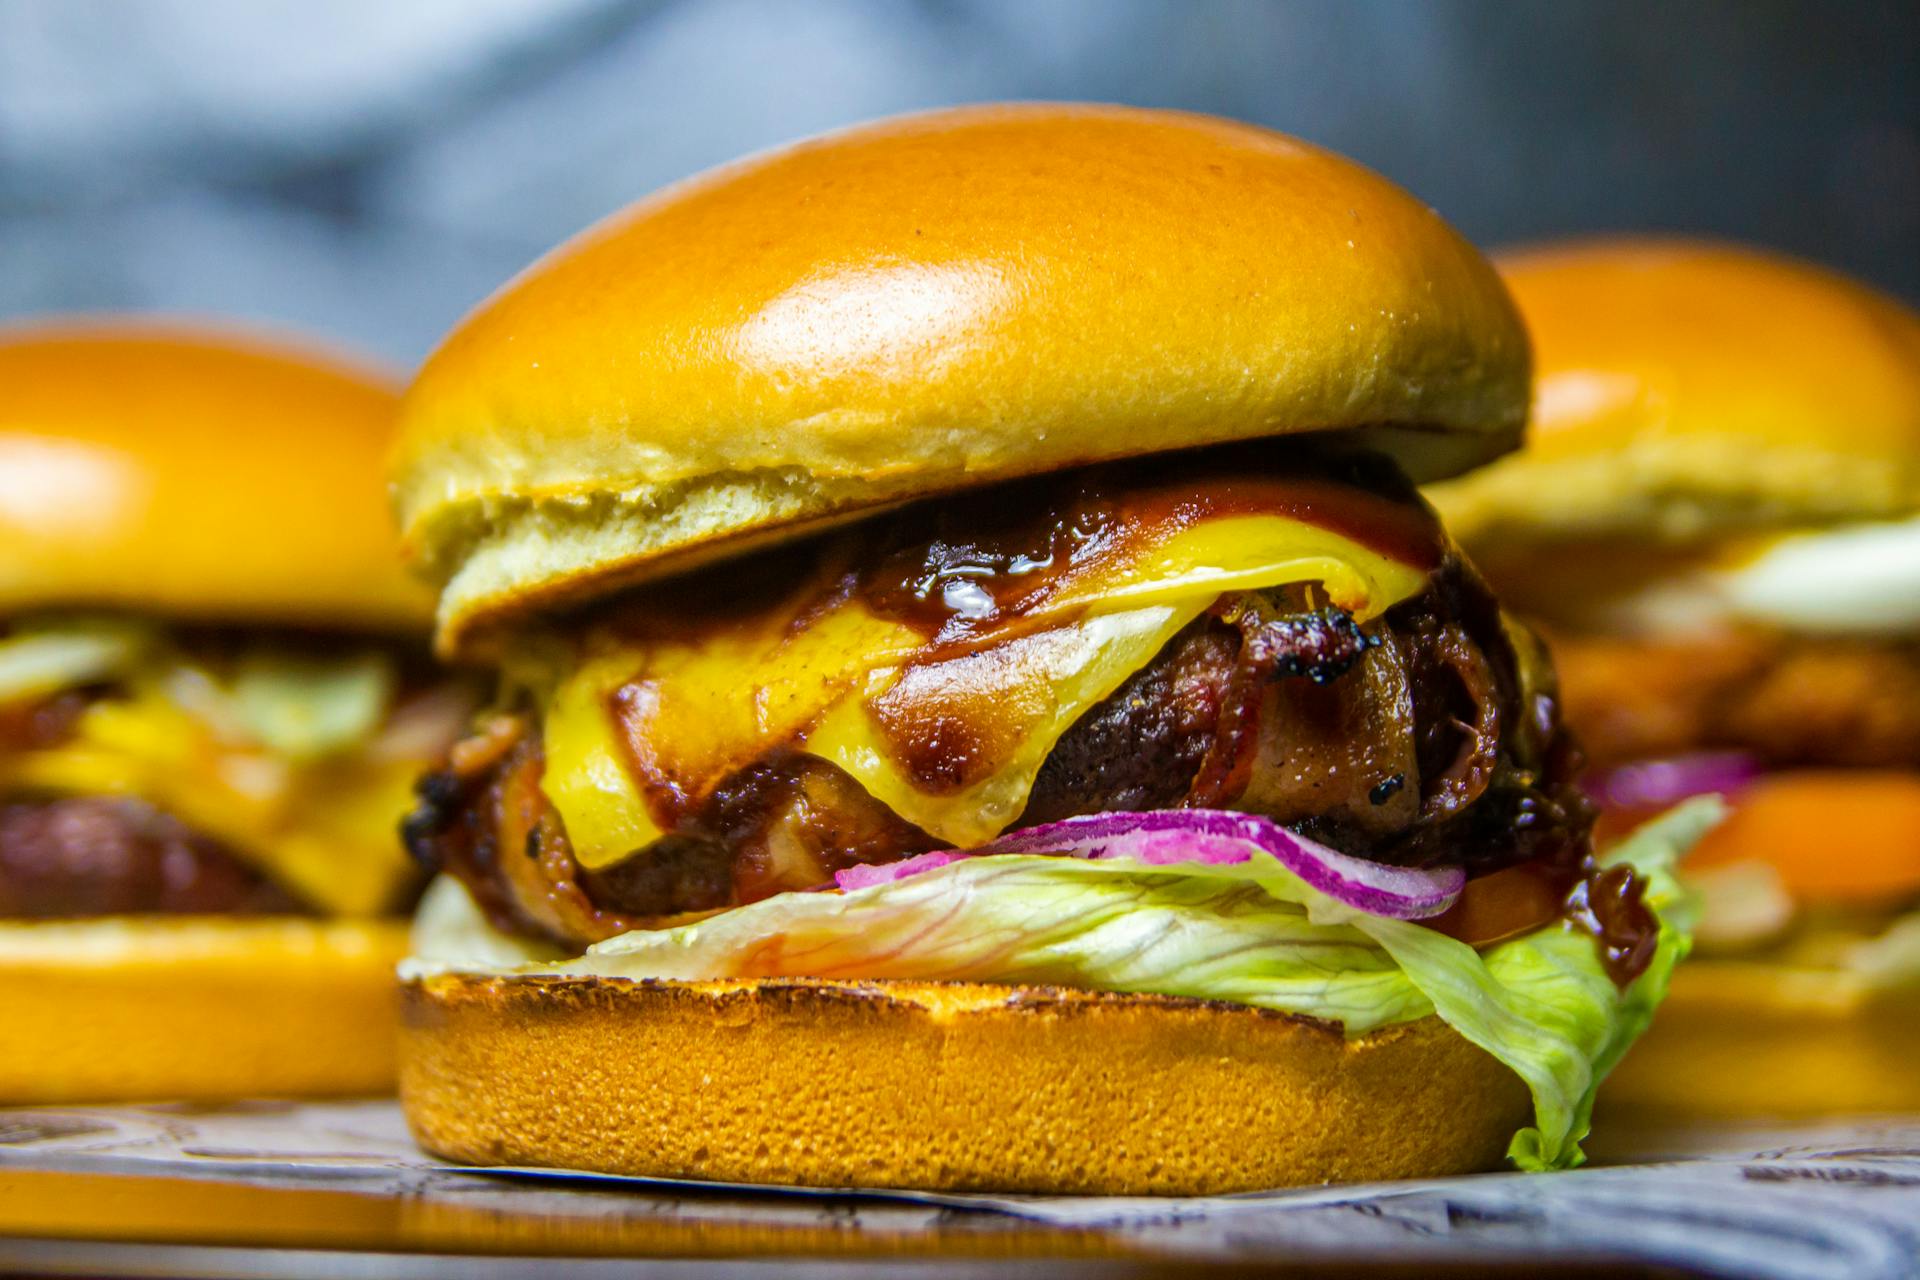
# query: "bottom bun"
{"type": "Point", "coordinates": [1739, 1039]}
{"type": "Point", "coordinates": [201, 1007]}
{"type": "Point", "coordinates": [938, 1086]}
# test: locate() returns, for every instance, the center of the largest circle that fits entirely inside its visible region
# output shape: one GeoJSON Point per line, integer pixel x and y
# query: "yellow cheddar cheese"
{"type": "Point", "coordinates": [686, 712]}
{"type": "Point", "coordinates": [311, 799]}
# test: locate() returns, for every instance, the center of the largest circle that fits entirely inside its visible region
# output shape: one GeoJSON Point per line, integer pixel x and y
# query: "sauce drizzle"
{"type": "Point", "coordinates": [1612, 907]}
{"type": "Point", "coordinates": [974, 562]}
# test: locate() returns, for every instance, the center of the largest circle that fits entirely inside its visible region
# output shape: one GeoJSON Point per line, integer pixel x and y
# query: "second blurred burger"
{"type": "Point", "coordinates": [1718, 523]}
{"type": "Point", "coordinates": [211, 709]}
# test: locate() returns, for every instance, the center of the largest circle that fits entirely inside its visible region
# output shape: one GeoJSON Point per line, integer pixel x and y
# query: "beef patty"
{"type": "Point", "coordinates": [1414, 740]}
{"type": "Point", "coordinates": [1791, 701]}
{"type": "Point", "coordinates": [93, 855]}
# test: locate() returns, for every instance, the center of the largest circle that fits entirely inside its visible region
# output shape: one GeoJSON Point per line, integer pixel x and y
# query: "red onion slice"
{"type": "Point", "coordinates": [1218, 837]}
{"type": "Point", "coordinates": [1660, 784]}
{"type": "Point", "coordinates": [865, 874]}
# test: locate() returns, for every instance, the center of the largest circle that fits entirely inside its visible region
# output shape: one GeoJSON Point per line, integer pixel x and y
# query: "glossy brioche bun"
{"type": "Point", "coordinates": [943, 1086]}
{"type": "Point", "coordinates": [927, 303]}
{"type": "Point", "coordinates": [1751, 1039]}
{"type": "Point", "coordinates": [196, 1007]}
{"type": "Point", "coordinates": [1686, 388]}
{"type": "Point", "coordinates": [165, 468]}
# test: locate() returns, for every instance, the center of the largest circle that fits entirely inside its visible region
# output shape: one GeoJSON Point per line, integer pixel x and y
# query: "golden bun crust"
{"type": "Point", "coordinates": [165, 468]}
{"type": "Point", "coordinates": [199, 1007]}
{"type": "Point", "coordinates": [927, 303]}
{"type": "Point", "coordinates": [1750, 1039]}
{"type": "Point", "coordinates": [1685, 388]}
{"type": "Point", "coordinates": [944, 1086]}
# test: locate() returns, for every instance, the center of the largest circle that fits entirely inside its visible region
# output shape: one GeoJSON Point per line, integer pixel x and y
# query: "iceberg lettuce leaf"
{"type": "Point", "coordinates": [1250, 932]}
{"type": "Point", "coordinates": [307, 708]}
{"type": "Point", "coordinates": [45, 657]}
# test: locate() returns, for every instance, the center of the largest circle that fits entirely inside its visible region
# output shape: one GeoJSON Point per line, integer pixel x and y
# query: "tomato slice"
{"type": "Point", "coordinates": [1504, 905]}
{"type": "Point", "coordinates": [1840, 836]}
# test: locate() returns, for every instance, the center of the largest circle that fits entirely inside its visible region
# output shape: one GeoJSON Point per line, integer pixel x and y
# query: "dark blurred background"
{"type": "Point", "coordinates": [371, 168]}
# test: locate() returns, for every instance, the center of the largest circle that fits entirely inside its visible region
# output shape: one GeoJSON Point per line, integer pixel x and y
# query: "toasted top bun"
{"type": "Point", "coordinates": [1688, 389]}
{"type": "Point", "coordinates": [194, 473]}
{"type": "Point", "coordinates": [929, 303]}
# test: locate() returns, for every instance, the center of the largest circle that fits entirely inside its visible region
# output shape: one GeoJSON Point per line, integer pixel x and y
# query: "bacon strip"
{"type": "Point", "coordinates": [1405, 742]}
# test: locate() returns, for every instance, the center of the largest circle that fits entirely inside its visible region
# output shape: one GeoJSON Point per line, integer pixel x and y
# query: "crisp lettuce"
{"type": "Point", "coordinates": [301, 707]}
{"type": "Point", "coordinates": [1889, 959]}
{"type": "Point", "coordinates": [448, 926]}
{"type": "Point", "coordinates": [44, 657]}
{"type": "Point", "coordinates": [1251, 933]}
{"type": "Point", "coordinates": [1749, 916]}
{"type": "Point", "coordinates": [285, 757]}
{"type": "Point", "coordinates": [306, 708]}
{"type": "Point", "coordinates": [1544, 1005]}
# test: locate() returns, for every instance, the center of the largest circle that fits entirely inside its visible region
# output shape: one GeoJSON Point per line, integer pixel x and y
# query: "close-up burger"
{"type": "Point", "coordinates": [215, 693]}
{"type": "Point", "coordinates": [1716, 523]}
{"type": "Point", "coordinates": [982, 704]}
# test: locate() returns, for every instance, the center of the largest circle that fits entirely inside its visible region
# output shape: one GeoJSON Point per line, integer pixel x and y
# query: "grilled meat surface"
{"type": "Point", "coordinates": [82, 856]}
{"type": "Point", "coordinates": [1414, 740]}
{"type": "Point", "coordinates": [1790, 701]}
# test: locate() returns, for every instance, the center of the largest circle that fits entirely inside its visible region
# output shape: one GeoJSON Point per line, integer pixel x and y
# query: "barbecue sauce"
{"type": "Point", "coordinates": [1612, 907]}
{"type": "Point", "coordinates": [975, 562]}
{"type": "Point", "coordinates": [1607, 904]}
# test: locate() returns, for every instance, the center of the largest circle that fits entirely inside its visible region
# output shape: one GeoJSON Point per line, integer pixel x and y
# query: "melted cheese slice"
{"type": "Point", "coordinates": [325, 830]}
{"type": "Point", "coordinates": [686, 713]}
{"type": "Point", "coordinates": [1030, 690]}
{"type": "Point", "coordinates": [586, 778]}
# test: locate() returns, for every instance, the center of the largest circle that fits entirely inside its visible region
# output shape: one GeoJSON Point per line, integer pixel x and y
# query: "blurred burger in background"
{"type": "Point", "coordinates": [1717, 523]}
{"type": "Point", "coordinates": [214, 695]}
{"type": "Point", "coordinates": [984, 705]}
